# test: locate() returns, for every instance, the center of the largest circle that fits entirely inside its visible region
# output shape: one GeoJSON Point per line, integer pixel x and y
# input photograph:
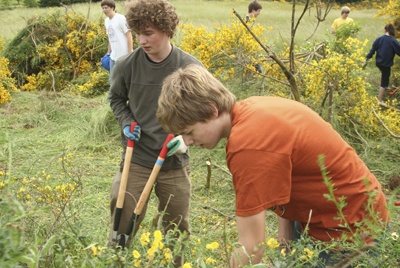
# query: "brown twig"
{"type": "Point", "coordinates": [320, 18]}
{"type": "Point", "coordinates": [384, 125]}
{"type": "Point", "coordinates": [209, 167]}
{"type": "Point", "coordinates": [220, 212]}
{"type": "Point", "coordinates": [361, 137]}
{"type": "Point", "coordinates": [223, 169]}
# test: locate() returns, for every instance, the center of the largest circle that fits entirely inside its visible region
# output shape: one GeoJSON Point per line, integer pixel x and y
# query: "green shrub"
{"type": "Point", "coordinates": [12, 234]}
{"type": "Point", "coordinates": [31, 3]}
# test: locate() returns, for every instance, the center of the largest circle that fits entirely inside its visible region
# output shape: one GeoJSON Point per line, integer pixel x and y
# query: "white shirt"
{"type": "Point", "coordinates": [116, 29]}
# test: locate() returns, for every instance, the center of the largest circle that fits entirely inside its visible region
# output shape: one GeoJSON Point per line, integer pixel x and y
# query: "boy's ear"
{"type": "Point", "coordinates": [215, 111]}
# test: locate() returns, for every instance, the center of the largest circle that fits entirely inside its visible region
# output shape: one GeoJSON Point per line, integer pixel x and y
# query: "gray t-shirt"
{"type": "Point", "coordinates": [135, 88]}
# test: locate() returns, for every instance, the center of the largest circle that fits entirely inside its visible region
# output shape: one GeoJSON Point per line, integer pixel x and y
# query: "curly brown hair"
{"type": "Point", "coordinates": [157, 13]}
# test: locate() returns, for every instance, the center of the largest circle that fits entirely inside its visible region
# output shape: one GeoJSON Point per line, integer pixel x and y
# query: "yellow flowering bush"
{"type": "Point", "coordinates": [7, 83]}
{"type": "Point", "coordinates": [157, 255]}
{"type": "Point", "coordinates": [391, 8]}
{"type": "Point", "coordinates": [55, 49]}
{"type": "Point", "coordinates": [226, 50]}
{"type": "Point", "coordinates": [341, 74]}
{"type": "Point", "coordinates": [46, 192]}
{"type": "Point", "coordinates": [93, 85]}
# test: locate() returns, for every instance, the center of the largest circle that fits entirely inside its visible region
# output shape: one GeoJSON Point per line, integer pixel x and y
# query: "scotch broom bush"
{"type": "Point", "coordinates": [228, 50]}
{"type": "Point", "coordinates": [55, 49]}
{"type": "Point", "coordinates": [7, 83]}
{"type": "Point", "coordinates": [341, 73]}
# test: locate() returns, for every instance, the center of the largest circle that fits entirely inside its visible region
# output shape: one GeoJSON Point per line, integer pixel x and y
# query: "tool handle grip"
{"type": "Point", "coordinates": [164, 149]}
{"type": "Point", "coordinates": [131, 142]}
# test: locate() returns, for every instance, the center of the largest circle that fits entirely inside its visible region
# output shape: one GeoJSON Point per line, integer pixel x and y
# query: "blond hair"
{"type": "Point", "coordinates": [345, 9]}
{"type": "Point", "coordinates": [188, 96]}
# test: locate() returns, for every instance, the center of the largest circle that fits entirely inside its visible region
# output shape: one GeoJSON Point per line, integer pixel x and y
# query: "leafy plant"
{"type": "Point", "coordinates": [13, 250]}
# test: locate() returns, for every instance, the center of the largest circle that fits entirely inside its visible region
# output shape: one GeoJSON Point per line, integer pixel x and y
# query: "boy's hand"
{"type": "Point", "coordinates": [135, 135]}
{"type": "Point", "coordinates": [176, 146]}
{"type": "Point", "coordinates": [365, 64]}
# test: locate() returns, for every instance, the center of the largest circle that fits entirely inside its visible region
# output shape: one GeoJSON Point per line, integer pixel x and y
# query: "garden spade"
{"type": "Point", "coordinates": [146, 191]}
{"type": "Point", "coordinates": [122, 186]}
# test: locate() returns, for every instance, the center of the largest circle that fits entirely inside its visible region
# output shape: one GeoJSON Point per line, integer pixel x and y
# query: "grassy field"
{"type": "Point", "coordinates": [275, 14]}
{"type": "Point", "coordinates": [55, 139]}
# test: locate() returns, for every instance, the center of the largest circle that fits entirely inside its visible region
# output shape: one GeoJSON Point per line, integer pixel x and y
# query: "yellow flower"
{"type": "Point", "coordinates": [308, 254]}
{"type": "Point", "coordinates": [95, 250]}
{"type": "Point", "coordinates": [145, 239]}
{"type": "Point", "coordinates": [395, 236]}
{"type": "Point", "coordinates": [272, 243]}
{"type": "Point", "coordinates": [150, 253]}
{"type": "Point", "coordinates": [137, 263]}
{"type": "Point", "coordinates": [213, 245]}
{"type": "Point", "coordinates": [167, 255]}
{"type": "Point", "coordinates": [210, 260]}
{"type": "Point", "coordinates": [157, 235]}
{"type": "Point", "coordinates": [136, 254]}
{"type": "Point", "coordinates": [283, 252]}
{"type": "Point", "coordinates": [160, 245]}
{"type": "Point", "coordinates": [187, 265]}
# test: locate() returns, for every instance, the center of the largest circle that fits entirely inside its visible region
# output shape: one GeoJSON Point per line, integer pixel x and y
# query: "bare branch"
{"type": "Point", "coordinates": [321, 17]}
{"type": "Point", "coordinates": [290, 77]}
{"type": "Point", "coordinates": [384, 125]}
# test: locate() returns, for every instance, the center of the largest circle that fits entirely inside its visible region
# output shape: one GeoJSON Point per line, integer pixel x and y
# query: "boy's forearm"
{"type": "Point", "coordinates": [130, 41]}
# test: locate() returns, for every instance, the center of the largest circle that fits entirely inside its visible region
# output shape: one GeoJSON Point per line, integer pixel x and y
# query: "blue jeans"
{"type": "Point", "coordinates": [112, 64]}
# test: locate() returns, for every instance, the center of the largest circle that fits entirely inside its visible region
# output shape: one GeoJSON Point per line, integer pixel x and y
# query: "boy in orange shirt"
{"type": "Point", "coordinates": [272, 152]}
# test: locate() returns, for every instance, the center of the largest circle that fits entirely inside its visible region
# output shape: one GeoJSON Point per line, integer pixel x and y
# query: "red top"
{"type": "Point", "coordinates": [272, 153]}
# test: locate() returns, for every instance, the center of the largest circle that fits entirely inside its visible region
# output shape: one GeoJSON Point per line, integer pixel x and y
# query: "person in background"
{"type": "Point", "coordinates": [254, 10]}
{"type": "Point", "coordinates": [274, 151]}
{"type": "Point", "coordinates": [385, 47]}
{"type": "Point", "coordinates": [119, 35]}
{"type": "Point", "coordinates": [135, 87]}
{"type": "Point", "coordinates": [343, 19]}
